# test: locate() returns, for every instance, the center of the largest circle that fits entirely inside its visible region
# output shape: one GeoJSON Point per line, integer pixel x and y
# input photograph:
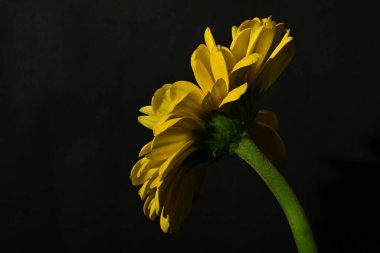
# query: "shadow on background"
{"type": "Point", "coordinates": [349, 212]}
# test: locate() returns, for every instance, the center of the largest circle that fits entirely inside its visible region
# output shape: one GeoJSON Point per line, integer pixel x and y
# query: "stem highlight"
{"type": "Point", "coordinates": [249, 152]}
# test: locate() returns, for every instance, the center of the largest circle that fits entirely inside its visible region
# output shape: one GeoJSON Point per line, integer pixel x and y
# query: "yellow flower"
{"type": "Point", "coordinates": [173, 166]}
{"type": "Point", "coordinates": [270, 42]}
{"type": "Point", "coordinates": [169, 183]}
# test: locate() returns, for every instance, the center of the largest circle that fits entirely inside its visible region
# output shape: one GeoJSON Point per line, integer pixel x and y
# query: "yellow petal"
{"type": "Point", "coordinates": [177, 158]}
{"type": "Point", "coordinates": [180, 90]}
{"type": "Point", "coordinates": [268, 118]}
{"type": "Point", "coordinates": [152, 210]}
{"type": "Point", "coordinates": [146, 149]}
{"type": "Point", "coordinates": [148, 165]}
{"type": "Point", "coordinates": [164, 221]}
{"type": "Point", "coordinates": [183, 202]}
{"type": "Point", "coordinates": [214, 98]}
{"type": "Point", "coordinates": [246, 24]}
{"type": "Point", "coordinates": [284, 41]}
{"type": "Point", "coordinates": [228, 58]}
{"type": "Point", "coordinates": [161, 120]}
{"type": "Point", "coordinates": [148, 205]}
{"type": "Point", "coordinates": [165, 125]}
{"type": "Point", "coordinates": [145, 190]}
{"type": "Point", "coordinates": [209, 39]}
{"type": "Point", "coordinates": [240, 43]}
{"type": "Point", "coordinates": [146, 175]}
{"type": "Point", "coordinates": [201, 54]}
{"type": "Point", "coordinates": [190, 107]}
{"type": "Point", "coordinates": [233, 32]}
{"type": "Point", "coordinates": [268, 141]}
{"type": "Point", "coordinates": [246, 62]}
{"type": "Point", "coordinates": [218, 65]}
{"type": "Point", "coordinates": [264, 42]}
{"type": "Point", "coordinates": [208, 103]}
{"type": "Point", "coordinates": [142, 193]}
{"type": "Point", "coordinates": [268, 22]}
{"type": "Point", "coordinates": [256, 23]}
{"type": "Point", "coordinates": [255, 33]}
{"type": "Point", "coordinates": [275, 66]}
{"type": "Point", "coordinates": [187, 88]}
{"type": "Point", "coordinates": [157, 202]}
{"type": "Point", "coordinates": [203, 76]}
{"type": "Point", "coordinates": [219, 91]}
{"type": "Point", "coordinates": [137, 167]}
{"type": "Point", "coordinates": [168, 103]}
{"type": "Point", "coordinates": [234, 94]}
{"type": "Point", "coordinates": [158, 95]}
{"type": "Point", "coordinates": [185, 123]}
{"type": "Point", "coordinates": [156, 182]}
{"type": "Point", "coordinates": [241, 69]}
{"type": "Point", "coordinates": [147, 121]}
{"type": "Point", "coordinates": [147, 110]}
{"type": "Point", "coordinates": [168, 142]}
{"type": "Point", "coordinates": [162, 101]}
{"type": "Point", "coordinates": [278, 37]}
{"type": "Point", "coordinates": [143, 170]}
{"type": "Point", "coordinates": [189, 124]}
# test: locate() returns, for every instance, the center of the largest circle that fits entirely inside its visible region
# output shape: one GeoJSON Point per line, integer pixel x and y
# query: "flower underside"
{"type": "Point", "coordinates": [184, 116]}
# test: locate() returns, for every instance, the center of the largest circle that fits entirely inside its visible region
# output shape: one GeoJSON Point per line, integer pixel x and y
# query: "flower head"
{"type": "Point", "coordinates": [182, 116]}
{"type": "Point", "coordinates": [260, 50]}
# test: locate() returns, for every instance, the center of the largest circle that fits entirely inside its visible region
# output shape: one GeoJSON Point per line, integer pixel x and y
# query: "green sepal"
{"type": "Point", "coordinates": [224, 134]}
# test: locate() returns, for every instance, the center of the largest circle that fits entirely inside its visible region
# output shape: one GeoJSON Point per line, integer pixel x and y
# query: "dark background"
{"type": "Point", "coordinates": [74, 74]}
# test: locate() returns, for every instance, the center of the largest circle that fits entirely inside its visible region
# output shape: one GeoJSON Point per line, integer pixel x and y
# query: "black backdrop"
{"type": "Point", "coordinates": [74, 74]}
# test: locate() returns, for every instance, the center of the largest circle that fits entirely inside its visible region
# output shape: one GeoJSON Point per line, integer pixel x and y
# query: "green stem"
{"type": "Point", "coordinates": [299, 225]}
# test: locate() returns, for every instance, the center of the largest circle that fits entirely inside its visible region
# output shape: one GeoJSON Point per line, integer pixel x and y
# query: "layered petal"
{"type": "Point", "coordinates": [268, 40]}
{"type": "Point", "coordinates": [264, 134]}
{"type": "Point", "coordinates": [173, 165]}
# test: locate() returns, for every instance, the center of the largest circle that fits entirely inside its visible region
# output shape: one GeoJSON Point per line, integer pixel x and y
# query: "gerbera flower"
{"type": "Point", "coordinates": [173, 166]}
